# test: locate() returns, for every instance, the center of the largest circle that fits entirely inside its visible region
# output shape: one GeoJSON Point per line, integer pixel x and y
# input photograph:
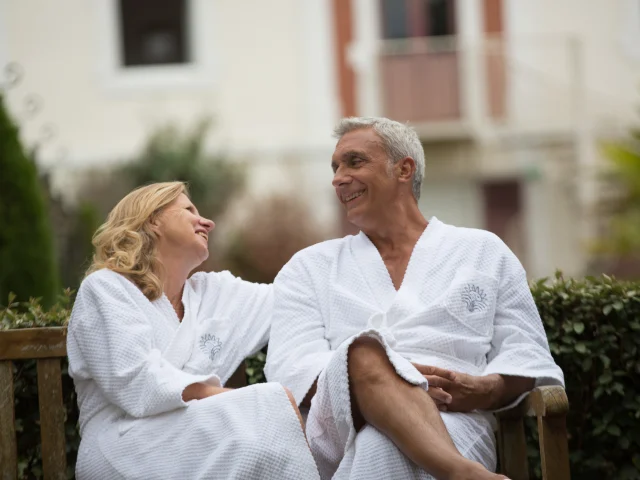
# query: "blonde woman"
{"type": "Point", "coordinates": [150, 349]}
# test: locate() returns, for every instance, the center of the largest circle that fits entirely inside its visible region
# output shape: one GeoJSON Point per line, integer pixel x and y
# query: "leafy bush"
{"type": "Point", "coordinates": [169, 154]}
{"type": "Point", "coordinates": [593, 326]}
{"type": "Point", "coordinates": [276, 229]}
{"type": "Point", "coordinates": [620, 197]}
{"type": "Point", "coordinates": [27, 258]}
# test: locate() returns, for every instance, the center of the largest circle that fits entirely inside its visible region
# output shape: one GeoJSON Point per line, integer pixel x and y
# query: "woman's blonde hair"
{"type": "Point", "coordinates": [126, 243]}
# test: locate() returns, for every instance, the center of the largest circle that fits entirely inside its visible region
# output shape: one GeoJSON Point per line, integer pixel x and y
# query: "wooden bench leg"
{"type": "Point", "coordinates": [8, 449]}
{"type": "Point", "coordinates": [512, 446]}
{"type": "Point", "coordinates": [52, 416]}
{"type": "Point", "coordinates": [554, 451]}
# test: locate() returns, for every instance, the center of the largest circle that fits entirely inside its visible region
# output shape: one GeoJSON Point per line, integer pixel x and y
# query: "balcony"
{"type": "Point", "coordinates": [451, 92]}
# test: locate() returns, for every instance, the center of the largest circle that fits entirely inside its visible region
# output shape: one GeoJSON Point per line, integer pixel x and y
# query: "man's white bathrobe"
{"type": "Point", "coordinates": [464, 305]}
{"type": "Point", "coordinates": [131, 360]}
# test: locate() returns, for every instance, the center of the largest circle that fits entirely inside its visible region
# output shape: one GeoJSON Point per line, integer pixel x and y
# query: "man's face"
{"type": "Point", "coordinates": [362, 177]}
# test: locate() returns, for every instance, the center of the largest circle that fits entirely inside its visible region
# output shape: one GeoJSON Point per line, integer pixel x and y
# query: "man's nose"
{"type": "Point", "coordinates": [340, 177]}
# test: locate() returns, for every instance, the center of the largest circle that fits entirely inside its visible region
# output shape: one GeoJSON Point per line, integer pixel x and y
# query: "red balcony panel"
{"type": "Point", "coordinates": [421, 87]}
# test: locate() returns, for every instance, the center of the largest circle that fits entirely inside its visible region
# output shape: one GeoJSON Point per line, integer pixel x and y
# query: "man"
{"type": "Point", "coordinates": [403, 338]}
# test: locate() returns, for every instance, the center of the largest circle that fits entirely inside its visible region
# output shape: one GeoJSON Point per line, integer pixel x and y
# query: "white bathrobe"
{"type": "Point", "coordinates": [131, 360]}
{"type": "Point", "coordinates": [464, 305]}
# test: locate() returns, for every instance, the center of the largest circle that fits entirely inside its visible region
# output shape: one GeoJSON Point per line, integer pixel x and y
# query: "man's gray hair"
{"type": "Point", "coordinates": [399, 140]}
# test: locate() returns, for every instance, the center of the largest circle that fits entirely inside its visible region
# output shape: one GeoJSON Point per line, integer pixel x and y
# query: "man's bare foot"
{"type": "Point", "coordinates": [474, 471]}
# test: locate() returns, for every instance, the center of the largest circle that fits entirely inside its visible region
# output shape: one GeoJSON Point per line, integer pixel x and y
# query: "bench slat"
{"type": "Point", "coordinates": [30, 343]}
{"type": "Point", "coordinates": [8, 448]}
{"type": "Point", "coordinates": [52, 416]}
{"type": "Point", "coordinates": [554, 452]}
{"type": "Point", "coordinates": [512, 447]}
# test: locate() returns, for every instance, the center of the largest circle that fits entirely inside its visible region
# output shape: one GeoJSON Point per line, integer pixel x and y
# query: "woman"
{"type": "Point", "coordinates": [150, 349]}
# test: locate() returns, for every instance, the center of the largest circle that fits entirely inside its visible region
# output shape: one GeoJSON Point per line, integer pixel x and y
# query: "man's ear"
{"type": "Point", "coordinates": [406, 168]}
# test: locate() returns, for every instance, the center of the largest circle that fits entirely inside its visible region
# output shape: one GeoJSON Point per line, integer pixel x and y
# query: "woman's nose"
{"type": "Point", "coordinates": [208, 224]}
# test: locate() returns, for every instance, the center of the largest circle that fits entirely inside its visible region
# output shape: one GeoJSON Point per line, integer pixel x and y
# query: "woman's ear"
{"type": "Point", "coordinates": [156, 225]}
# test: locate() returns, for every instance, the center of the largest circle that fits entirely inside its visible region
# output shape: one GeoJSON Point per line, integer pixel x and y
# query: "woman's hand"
{"type": "Point", "coordinates": [466, 392]}
{"type": "Point", "coordinates": [198, 391]}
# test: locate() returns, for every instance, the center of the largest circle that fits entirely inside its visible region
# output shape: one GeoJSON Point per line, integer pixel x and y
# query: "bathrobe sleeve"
{"type": "Point", "coordinates": [519, 346]}
{"type": "Point", "coordinates": [115, 341]}
{"type": "Point", "coordinates": [252, 308]}
{"type": "Point", "coordinates": [298, 350]}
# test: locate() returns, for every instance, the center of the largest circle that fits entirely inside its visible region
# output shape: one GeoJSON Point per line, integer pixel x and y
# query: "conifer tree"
{"type": "Point", "coordinates": [27, 255]}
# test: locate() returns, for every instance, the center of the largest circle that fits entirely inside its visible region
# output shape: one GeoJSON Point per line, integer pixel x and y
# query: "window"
{"type": "Point", "coordinates": [439, 19]}
{"type": "Point", "coordinates": [418, 18]}
{"type": "Point", "coordinates": [153, 32]}
{"type": "Point", "coordinates": [152, 45]}
{"type": "Point", "coordinates": [394, 15]}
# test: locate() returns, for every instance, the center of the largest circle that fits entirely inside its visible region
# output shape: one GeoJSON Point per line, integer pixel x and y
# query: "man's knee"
{"type": "Point", "coordinates": [368, 360]}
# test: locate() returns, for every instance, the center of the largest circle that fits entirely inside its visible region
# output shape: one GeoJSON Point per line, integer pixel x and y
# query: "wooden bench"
{"type": "Point", "coordinates": [48, 346]}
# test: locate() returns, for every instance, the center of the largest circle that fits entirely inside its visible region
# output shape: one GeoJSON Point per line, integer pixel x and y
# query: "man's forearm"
{"type": "Point", "coordinates": [500, 390]}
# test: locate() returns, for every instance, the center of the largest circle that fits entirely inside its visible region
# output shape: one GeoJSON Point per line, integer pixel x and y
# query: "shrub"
{"type": "Point", "coordinates": [593, 326]}
{"type": "Point", "coordinates": [276, 229]}
{"type": "Point", "coordinates": [169, 154]}
{"type": "Point", "coordinates": [27, 258]}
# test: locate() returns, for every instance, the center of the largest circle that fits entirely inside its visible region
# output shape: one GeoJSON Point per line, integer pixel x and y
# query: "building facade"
{"type": "Point", "coordinates": [510, 97]}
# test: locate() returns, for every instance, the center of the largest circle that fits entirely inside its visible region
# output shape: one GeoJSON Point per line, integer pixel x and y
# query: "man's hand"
{"type": "Point", "coordinates": [466, 392]}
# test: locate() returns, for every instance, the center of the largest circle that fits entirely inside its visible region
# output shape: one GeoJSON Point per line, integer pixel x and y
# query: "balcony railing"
{"type": "Point", "coordinates": [443, 86]}
{"type": "Point", "coordinates": [420, 79]}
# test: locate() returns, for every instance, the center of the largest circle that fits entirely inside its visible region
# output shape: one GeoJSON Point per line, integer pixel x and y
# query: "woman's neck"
{"type": "Point", "coordinates": [173, 280]}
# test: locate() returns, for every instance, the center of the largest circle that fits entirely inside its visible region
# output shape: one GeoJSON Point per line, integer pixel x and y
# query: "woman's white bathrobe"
{"type": "Point", "coordinates": [131, 360]}
{"type": "Point", "coordinates": [464, 305]}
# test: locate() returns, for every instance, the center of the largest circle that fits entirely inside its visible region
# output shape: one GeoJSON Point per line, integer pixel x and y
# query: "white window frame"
{"type": "Point", "coordinates": [197, 73]}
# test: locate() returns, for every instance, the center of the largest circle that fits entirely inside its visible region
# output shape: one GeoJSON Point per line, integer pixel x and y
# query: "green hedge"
{"type": "Point", "coordinates": [593, 327]}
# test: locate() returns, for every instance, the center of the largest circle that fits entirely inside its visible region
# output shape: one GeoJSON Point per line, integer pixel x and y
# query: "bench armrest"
{"type": "Point", "coordinates": [550, 406]}
{"type": "Point", "coordinates": [548, 401]}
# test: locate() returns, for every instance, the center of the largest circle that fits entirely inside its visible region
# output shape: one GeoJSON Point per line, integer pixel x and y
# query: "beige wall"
{"type": "Point", "coordinates": [544, 76]}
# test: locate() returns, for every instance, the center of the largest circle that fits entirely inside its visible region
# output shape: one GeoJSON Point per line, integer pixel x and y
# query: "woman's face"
{"type": "Point", "coordinates": [183, 233]}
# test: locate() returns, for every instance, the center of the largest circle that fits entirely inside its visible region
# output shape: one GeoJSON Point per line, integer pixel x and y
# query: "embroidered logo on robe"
{"type": "Point", "coordinates": [474, 297]}
{"type": "Point", "coordinates": [210, 345]}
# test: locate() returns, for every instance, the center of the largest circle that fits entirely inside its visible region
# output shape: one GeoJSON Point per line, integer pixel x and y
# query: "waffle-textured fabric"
{"type": "Point", "coordinates": [131, 359]}
{"type": "Point", "coordinates": [464, 305]}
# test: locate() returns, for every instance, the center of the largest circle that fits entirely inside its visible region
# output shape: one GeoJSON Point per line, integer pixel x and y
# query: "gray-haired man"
{"type": "Point", "coordinates": [404, 337]}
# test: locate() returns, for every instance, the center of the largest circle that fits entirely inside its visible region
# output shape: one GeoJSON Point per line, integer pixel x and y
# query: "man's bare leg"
{"type": "Point", "coordinates": [405, 413]}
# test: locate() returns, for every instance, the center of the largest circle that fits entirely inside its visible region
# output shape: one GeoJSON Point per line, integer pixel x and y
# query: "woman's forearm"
{"type": "Point", "coordinates": [198, 391]}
